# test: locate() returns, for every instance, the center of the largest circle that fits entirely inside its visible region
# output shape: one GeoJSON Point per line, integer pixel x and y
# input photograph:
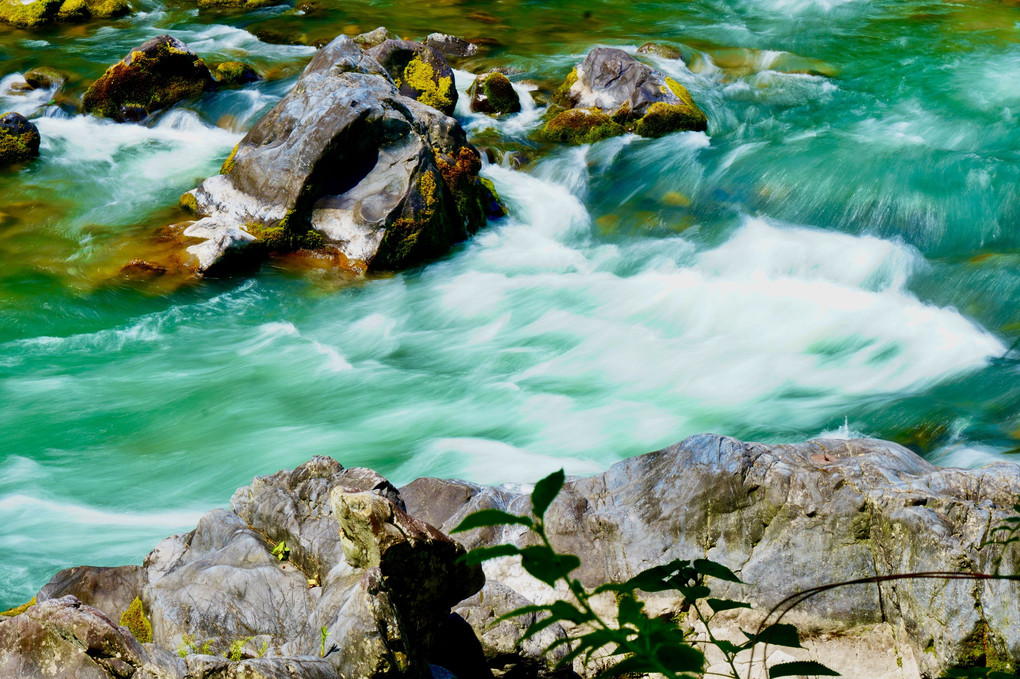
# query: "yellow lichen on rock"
{"type": "Point", "coordinates": [432, 91]}
{"type": "Point", "coordinates": [18, 610]}
{"type": "Point", "coordinates": [135, 621]}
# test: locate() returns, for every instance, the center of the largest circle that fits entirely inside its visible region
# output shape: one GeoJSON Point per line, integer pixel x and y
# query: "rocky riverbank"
{"type": "Point", "coordinates": [323, 571]}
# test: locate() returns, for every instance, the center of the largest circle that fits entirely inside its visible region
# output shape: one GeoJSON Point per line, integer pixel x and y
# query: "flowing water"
{"type": "Point", "coordinates": [840, 254]}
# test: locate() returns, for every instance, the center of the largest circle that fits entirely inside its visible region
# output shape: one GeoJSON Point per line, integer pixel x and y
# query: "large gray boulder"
{"type": "Point", "coordinates": [786, 518]}
{"type": "Point", "coordinates": [318, 548]}
{"type": "Point", "coordinates": [612, 92]}
{"type": "Point", "coordinates": [347, 164]}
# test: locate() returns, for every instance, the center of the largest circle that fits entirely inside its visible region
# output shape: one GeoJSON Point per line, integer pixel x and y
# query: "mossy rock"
{"type": "Point", "coordinates": [41, 12]}
{"type": "Point", "coordinates": [660, 50]}
{"type": "Point", "coordinates": [237, 4]}
{"type": "Point", "coordinates": [663, 118]}
{"type": "Point", "coordinates": [135, 621]}
{"type": "Point", "coordinates": [153, 76]}
{"type": "Point", "coordinates": [367, 41]}
{"type": "Point", "coordinates": [419, 71]}
{"type": "Point", "coordinates": [581, 126]}
{"type": "Point", "coordinates": [44, 78]}
{"type": "Point", "coordinates": [234, 73]}
{"type": "Point", "coordinates": [19, 139]}
{"type": "Point", "coordinates": [493, 93]}
{"type": "Point", "coordinates": [495, 208]}
{"type": "Point", "coordinates": [18, 610]}
{"type": "Point", "coordinates": [561, 97]}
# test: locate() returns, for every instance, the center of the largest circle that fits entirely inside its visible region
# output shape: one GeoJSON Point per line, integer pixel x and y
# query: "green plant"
{"type": "Point", "coordinates": [325, 635]}
{"type": "Point", "coordinates": [189, 646]}
{"type": "Point", "coordinates": [281, 551]}
{"type": "Point", "coordinates": [636, 642]}
{"type": "Point", "coordinates": [263, 649]}
{"type": "Point", "coordinates": [236, 649]}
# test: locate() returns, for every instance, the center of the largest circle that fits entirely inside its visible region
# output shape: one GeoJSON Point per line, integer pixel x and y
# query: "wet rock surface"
{"type": "Point", "coordinates": [153, 76]}
{"type": "Point", "coordinates": [38, 13]}
{"type": "Point", "coordinates": [611, 92]}
{"type": "Point", "coordinates": [19, 139]}
{"type": "Point", "coordinates": [324, 549]}
{"type": "Point", "coordinates": [345, 163]}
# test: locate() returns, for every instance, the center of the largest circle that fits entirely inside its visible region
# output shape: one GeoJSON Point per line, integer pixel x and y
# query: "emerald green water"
{"type": "Point", "coordinates": [841, 254]}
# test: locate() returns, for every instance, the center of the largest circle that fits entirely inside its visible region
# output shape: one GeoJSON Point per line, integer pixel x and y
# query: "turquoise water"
{"type": "Point", "coordinates": [840, 254]}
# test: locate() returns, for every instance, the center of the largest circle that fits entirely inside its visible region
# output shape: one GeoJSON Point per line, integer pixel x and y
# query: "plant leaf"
{"type": "Point", "coordinates": [719, 605]}
{"type": "Point", "coordinates": [480, 554]}
{"type": "Point", "coordinates": [546, 565]}
{"type": "Point", "coordinates": [715, 570]}
{"type": "Point", "coordinates": [801, 668]}
{"type": "Point", "coordinates": [545, 492]}
{"type": "Point", "coordinates": [490, 517]}
{"type": "Point", "coordinates": [776, 635]}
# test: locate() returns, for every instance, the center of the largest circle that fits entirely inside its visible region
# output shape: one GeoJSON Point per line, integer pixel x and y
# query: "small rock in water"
{"type": "Point", "coordinates": [661, 50]}
{"type": "Point", "coordinates": [494, 94]}
{"type": "Point", "coordinates": [19, 139]}
{"type": "Point", "coordinates": [151, 77]}
{"type": "Point", "coordinates": [232, 73]}
{"type": "Point", "coordinates": [44, 78]}
{"type": "Point", "coordinates": [451, 45]}
{"type": "Point", "coordinates": [620, 94]}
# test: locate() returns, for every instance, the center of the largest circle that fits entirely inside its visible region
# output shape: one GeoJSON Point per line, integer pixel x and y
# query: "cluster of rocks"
{"type": "Point", "coordinates": [36, 13]}
{"type": "Point", "coordinates": [325, 572]}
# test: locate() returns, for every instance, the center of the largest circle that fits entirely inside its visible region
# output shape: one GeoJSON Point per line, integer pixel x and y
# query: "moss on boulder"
{"type": "Point", "coordinates": [155, 75]}
{"type": "Point", "coordinates": [18, 610]}
{"type": "Point", "coordinates": [419, 72]}
{"type": "Point", "coordinates": [581, 126]}
{"type": "Point", "coordinates": [234, 73]}
{"type": "Point", "coordinates": [493, 93]}
{"type": "Point", "coordinates": [19, 139]}
{"type": "Point", "coordinates": [41, 12]}
{"type": "Point", "coordinates": [135, 621]}
{"type": "Point", "coordinates": [237, 4]}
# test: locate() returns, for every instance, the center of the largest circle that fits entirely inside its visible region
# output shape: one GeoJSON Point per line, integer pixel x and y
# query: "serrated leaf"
{"type": "Point", "coordinates": [518, 612]}
{"type": "Point", "coordinates": [801, 668]}
{"type": "Point", "coordinates": [694, 593]}
{"type": "Point", "coordinates": [715, 570]}
{"type": "Point", "coordinates": [720, 605]}
{"type": "Point", "coordinates": [545, 492]}
{"type": "Point", "coordinates": [546, 565]}
{"type": "Point", "coordinates": [480, 554]}
{"type": "Point", "coordinates": [776, 635]}
{"type": "Point", "coordinates": [490, 517]}
{"type": "Point", "coordinates": [631, 611]}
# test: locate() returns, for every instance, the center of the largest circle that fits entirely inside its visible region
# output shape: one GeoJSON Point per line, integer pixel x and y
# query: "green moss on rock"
{"type": "Point", "coordinates": [188, 202]}
{"type": "Point", "coordinates": [18, 610]}
{"type": "Point", "coordinates": [228, 164]}
{"type": "Point", "coordinates": [42, 12]}
{"type": "Point", "coordinates": [494, 93]}
{"type": "Point", "coordinates": [233, 73]}
{"type": "Point", "coordinates": [285, 236]}
{"type": "Point", "coordinates": [43, 77]}
{"type": "Point", "coordinates": [495, 208]}
{"type": "Point", "coordinates": [153, 76]}
{"type": "Point", "coordinates": [237, 4]}
{"type": "Point", "coordinates": [135, 621]}
{"type": "Point", "coordinates": [19, 139]}
{"type": "Point", "coordinates": [430, 89]}
{"type": "Point", "coordinates": [561, 97]}
{"type": "Point", "coordinates": [581, 126]}
{"type": "Point", "coordinates": [663, 119]}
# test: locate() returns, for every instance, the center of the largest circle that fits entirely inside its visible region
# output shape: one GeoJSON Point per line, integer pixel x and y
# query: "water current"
{"type": "Point", "coordinates": [839, 254]}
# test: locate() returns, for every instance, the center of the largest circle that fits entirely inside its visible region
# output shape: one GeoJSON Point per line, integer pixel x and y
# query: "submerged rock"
{"type": "Point", "coordinates": [158, 74]}
{"type": "Point", "coordinates": [44, 78]}
{"type": "Point", "coordinates": [348, 163]}
{"type": "Point", "coordinates": [39, 12]}
{"type": "Point", "coordinates": [419, 71]}
{"type": "Point", "coordinates": [19, 139]}
{"type": "Point", "coordinates": [611, 83]}
{"type": "Point", "coordinates": [493, 93]}
{"type": "Point", "coordinates": [233, 73]}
